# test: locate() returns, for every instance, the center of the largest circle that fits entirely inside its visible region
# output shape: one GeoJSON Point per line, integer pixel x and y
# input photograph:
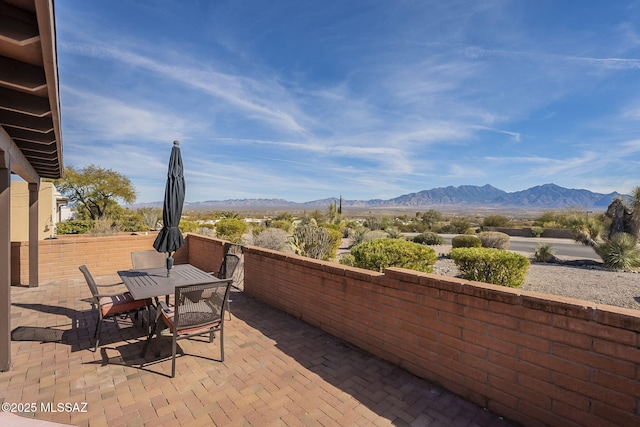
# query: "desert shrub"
{"type": "Point", "coordinates": [150, 217]}
{"type": "Point", "coordinates": [491, 265]}
{"type": "Point", "coordinates": [544, 253]}
{"type": "Point", "coordinates": [620, 252]}
{"type": "Point", "coordinates": [78, 226]}
{"type": "Point", "coordinates": [379, 254]}
{"type": "Point", "coordinates": [429, 238]}
{"type": "Point", "coordinates": [104, 227]}
{"type": "Point", "coordinates": [271, 238]}
{"type": "Point", "coordinates": [460, 225]}
{"type": "Point", "coordinates": [231, 229]}
{"type": "Point", "coordinates": [130, 223]}
{"type": "Point", "coordinates": [537, 231]}
{"type": "Point", "coordinates": [186, 226]}
{"type": "Point", "coordinates": [466, 241]}
{"type": "Point", "coordinates": [373, 235]}
{"type": "Point", "coordinates": [496, 221]}
{"type": "Point", "coordinates": [357, 234]}
{"type": "Point", "coordinates": [286, 226]}
{"type": "Point", "coordinates": [315, 242]}
{"type": "Point", "coordinates": [348, 259]}
{"type": "Point", "coordinates": [494, 239]}
{"type": "Point", "coordinates": [393, 232]}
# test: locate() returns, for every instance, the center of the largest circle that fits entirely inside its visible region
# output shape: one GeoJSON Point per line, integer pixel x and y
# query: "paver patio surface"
{"type": "Point", "coordinates": [278, 371]}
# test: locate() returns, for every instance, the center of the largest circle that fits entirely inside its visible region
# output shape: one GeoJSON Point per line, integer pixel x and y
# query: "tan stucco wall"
{"type": "Point", "coordinates": [20, 211]}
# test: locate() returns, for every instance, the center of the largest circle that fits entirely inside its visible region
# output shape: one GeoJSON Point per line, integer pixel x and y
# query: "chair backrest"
{"type": "Point", "coordinates": [148, 259]}
{"type": "Point", "coordinates": [200, 305]}
{"type": "Point", "coordinates": [90, 282]}
{"type": "Point", "coordinates": [228, 268]}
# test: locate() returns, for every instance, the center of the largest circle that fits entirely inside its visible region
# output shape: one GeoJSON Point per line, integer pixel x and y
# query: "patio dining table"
{"type": "Point", "coordinates": [153, 282]}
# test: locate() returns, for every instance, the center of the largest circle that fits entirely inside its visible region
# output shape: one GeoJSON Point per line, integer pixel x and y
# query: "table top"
{"type": "Point", "coordinates": [153, 282]}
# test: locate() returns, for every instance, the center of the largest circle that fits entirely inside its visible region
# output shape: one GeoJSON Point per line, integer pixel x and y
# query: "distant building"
{"type": "Point", "coordinates": [51, 207]}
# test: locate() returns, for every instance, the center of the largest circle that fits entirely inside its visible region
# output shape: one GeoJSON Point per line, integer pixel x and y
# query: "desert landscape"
{"type": "Point", "coordinates": [590, 282]}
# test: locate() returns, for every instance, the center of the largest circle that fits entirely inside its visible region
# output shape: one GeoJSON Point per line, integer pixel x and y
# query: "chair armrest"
{"type": "Point", "coordinates": [109, 285]}
{"type": "Point", "coordinates": [164, 307]}
{"type": "Point", "coordinates": [109, 295]}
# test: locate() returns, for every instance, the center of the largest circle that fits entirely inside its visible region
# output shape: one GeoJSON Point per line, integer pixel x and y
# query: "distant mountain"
{"type": "Point", "coordinates": [547, 196]}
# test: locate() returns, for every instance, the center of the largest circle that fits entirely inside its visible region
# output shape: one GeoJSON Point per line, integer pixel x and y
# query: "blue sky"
{"type": "Point", "coordinates": [303, 100]}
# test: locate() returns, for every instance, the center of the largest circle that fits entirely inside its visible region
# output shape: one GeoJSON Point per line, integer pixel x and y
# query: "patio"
{"type": "Point", "coordinates": [277, 371]}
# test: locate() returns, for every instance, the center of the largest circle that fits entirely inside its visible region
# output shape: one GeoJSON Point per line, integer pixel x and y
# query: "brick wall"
{"type": "Point", "coordinates": [534, 358]}
{"type": "Point", "coordinates": [60, 258]}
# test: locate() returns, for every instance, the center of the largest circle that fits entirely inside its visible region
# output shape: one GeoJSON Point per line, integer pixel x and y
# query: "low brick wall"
{"type": "Point", "coordinates": [534, 358]}
{"type": "Point", "coordinates": [60, 258]}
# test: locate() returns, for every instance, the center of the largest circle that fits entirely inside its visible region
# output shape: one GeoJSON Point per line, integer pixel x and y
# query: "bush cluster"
{"type": "Point", "coordinates": [494, 239]}
{"type": "Point", "coordinates": [491, 266]}
{"type": "Point", "coordinates": [429, 238]}
{"type": "Point", "coordinates": [379, 254]}
{"type": "Point", "coordinates": [78, 226]}
{"type": "Point", "coordinates": [466, 241]}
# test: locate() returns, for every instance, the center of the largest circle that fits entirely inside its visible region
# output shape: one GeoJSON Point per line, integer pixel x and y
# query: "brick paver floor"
{"type": "Point", "coordinates": [278, 371]}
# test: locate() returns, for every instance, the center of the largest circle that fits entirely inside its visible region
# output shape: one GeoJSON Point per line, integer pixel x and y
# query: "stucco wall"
{"type": "Point", "coordinates": [20, 211]}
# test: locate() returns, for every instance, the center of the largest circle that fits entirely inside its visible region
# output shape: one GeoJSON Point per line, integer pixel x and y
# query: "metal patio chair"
{"type": "Point", "coordinates": [198, 310]}
{"type": "Point", "coordinates": [226, 271]}
{"type": "Point", "coordinates": [111, 305]}
{"type": "Point", "coordinates": [148, 259]}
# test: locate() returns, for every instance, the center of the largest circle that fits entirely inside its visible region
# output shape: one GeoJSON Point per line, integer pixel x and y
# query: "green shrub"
{"type": "Point", "coordinates": [187, 226]}
{"type": "Point", "coordinates": [78, 226]}
{"type": "Point", "coordinates": [429, 238]}
{"type": "Point", "coordinates": [491, 266]}
{"type": "Point", "coordinates": [231, 229]}
{"type": "Point", "coordinates": [379, 254]}
{"type": "Point", "coordinates": [393, 232]}
{"type": "Point", "coordinates": [620, 252]}
{"type": "Point", "coordinates": [494, 239]}
{"type": "Point", "coordinates": [373, 235]}
{"type": "Point", "coordinates": [496, 221]}
{"type": "Point", "coordinates": [283, 225]}
{"type": "Point", "coordinates": [466, 241]}
{"type": "Point", "coordinates": [544, 253]}
{"type": "Point", "coordinates": [537, 231]}
{"type": "Point", "coordinates": [315, 242]}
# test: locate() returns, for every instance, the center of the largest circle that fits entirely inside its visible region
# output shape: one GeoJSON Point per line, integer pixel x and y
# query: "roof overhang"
{"type": "Point", "coordinates": [29, 92]}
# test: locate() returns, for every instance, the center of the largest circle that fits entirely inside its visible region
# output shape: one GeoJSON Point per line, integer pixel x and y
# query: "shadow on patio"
{"type": "Point", "coordinates": [277, 371]}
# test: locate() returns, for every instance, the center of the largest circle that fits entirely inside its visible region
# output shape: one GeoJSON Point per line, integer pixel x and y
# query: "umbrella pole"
{"type": "Point", "coordinates": [169, 263]}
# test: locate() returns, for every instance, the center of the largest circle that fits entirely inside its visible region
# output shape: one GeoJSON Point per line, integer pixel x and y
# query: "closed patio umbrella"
{"type": "Point", "coordinates": [170, 238]}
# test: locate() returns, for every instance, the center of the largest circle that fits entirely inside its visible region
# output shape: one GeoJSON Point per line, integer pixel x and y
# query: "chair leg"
{"type": "Point", "coordinates": [173, 358]}
{"type": "Point", "coordinates": [222, 345]}
{"type": "Point", "coordinates": [96, 335]}
{"type": "Point", "coordinates": [150, 336]}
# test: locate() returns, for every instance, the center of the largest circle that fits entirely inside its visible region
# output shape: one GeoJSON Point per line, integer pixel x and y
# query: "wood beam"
{"type": "Point", "coordinates": [23, 121]}
{"type": "Point", "coordinates": [18, 26]}
{"type": "Point", "coordinates": [21, 75]}
{"type": "Point", "coordinates": [31, 136]}
{"type": "Point", "coordinates": [24, 103]}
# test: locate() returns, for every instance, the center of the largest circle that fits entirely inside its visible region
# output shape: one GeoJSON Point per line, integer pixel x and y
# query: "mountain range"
{"type": "Point", "coordinates": [547, 196]}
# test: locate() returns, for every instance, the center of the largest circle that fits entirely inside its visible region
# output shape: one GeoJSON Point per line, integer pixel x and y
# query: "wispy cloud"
{"type": "Point", "coordinates": [300, 102]}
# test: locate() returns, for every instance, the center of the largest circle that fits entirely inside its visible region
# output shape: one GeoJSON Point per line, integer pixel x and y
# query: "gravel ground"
{"type": "Point", "coordinates": [590, 282]}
